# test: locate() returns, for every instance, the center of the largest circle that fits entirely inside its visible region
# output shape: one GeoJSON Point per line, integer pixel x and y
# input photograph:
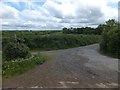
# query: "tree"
{"type": "Point", "coordinates": [111, 38]}
{"type": "Point", "coordinates": [65, 30]}
{"type": "Point", "coordinates": [100, 29]}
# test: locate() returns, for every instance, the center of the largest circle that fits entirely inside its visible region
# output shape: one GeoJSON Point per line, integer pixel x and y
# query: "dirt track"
{"type": "Point", "coordinates": [81, 67]}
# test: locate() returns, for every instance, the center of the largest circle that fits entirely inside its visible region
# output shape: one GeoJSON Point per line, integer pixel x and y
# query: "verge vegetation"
{"type": "Point", "coordinates": [110, 43]}
{"type": "Point", "coordinates": [20, 65]}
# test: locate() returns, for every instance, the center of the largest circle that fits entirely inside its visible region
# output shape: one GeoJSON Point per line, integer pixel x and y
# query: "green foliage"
{"type": "Point", "coordinates": [111, 39]}
{"type": "Point", "coordinates": [39, 60]}
{"type": "Point", "coordinates": [83, 30]}
{"type": "Point", "coordinates": [20, 65]}
{"type": "Point", "coordinates": [54, 40]}
{"type": "Point", "coordinates": [15, 50]}
{"type": "Point", "coordinates": [60, 41]}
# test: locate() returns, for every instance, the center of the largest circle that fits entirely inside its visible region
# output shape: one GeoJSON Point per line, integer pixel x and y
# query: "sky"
{"type": "Point", "coordinates": [55, 14]}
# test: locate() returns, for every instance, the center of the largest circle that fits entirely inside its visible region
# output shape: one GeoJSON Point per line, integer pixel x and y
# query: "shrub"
{"type": "Point", "coordinates": [39, 60]}
{"type": "Point", "coordinates": [15, 50]}
{"type": "Point", "coordinates": [110, 43]}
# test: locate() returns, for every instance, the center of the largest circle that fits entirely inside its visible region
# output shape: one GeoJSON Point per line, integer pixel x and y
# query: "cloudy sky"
{"type": "Point", "coordinates": [56, 14]}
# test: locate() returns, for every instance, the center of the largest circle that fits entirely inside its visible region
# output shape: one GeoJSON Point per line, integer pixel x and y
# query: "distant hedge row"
{"type": "Point", "coordinates": [55, 41]}
{"type": "Point", "coordinates": [50, 42]}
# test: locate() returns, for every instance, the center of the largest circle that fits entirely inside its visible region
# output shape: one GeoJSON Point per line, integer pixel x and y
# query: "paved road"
{"type": "Point", "coordinates": [81, 67]}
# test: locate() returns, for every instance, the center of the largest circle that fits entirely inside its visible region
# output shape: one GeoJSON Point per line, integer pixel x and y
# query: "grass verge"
{"type": "Point", "coordinates": [20, 65]}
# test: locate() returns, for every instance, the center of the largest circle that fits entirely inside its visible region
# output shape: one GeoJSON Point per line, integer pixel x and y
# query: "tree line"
{"type": "Point", "coordinates": [84, 30]}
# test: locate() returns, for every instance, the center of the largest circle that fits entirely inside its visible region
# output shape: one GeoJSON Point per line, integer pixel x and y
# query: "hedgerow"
{"type": "Point", "coordinates": [110, 43]}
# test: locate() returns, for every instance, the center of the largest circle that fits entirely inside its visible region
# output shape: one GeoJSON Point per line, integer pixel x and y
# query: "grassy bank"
{"type": "Point", "coordinates": [20, 66]}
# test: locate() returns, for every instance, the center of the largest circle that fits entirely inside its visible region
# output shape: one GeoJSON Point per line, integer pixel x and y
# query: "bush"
{"type": "Point", "coordinates": [110, 43]}
{"type": "Point", "coordinates": [15, 50]}
{"type": "Point", "coordinates": [39, 60]}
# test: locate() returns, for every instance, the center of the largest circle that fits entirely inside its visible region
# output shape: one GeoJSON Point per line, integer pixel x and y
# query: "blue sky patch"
{"type": "Point", "coordinates": [39, 3]}
{"type": "Point", "coordinates": [19, 5]}
{"type": "Point", "coordinates": [112, 5]}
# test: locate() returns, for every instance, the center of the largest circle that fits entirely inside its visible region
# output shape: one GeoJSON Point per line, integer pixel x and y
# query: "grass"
{"type": "Point", "coordinates": [20, 66]}
{"type": "Point", "coordinates": [38, 53]}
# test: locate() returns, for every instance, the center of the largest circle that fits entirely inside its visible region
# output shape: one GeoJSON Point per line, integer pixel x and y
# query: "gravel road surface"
{"type": "Point", "coordinates": [82, 67]}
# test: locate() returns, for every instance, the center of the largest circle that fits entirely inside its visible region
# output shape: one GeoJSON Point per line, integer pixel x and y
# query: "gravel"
{"type": "Point", "coordinates": [81, 67]}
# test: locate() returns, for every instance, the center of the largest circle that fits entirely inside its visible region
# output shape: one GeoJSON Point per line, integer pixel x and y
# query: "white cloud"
{"type": "Point", "coordinates": [55, 14]}
{"type": "Point", "coordinates": [7, 12]}
{"type": "Point", "coordinates": [76, 12]}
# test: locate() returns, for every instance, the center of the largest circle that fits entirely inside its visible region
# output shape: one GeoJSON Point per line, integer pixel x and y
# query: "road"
{"type": "Point", "coordinates": [82, 67]}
